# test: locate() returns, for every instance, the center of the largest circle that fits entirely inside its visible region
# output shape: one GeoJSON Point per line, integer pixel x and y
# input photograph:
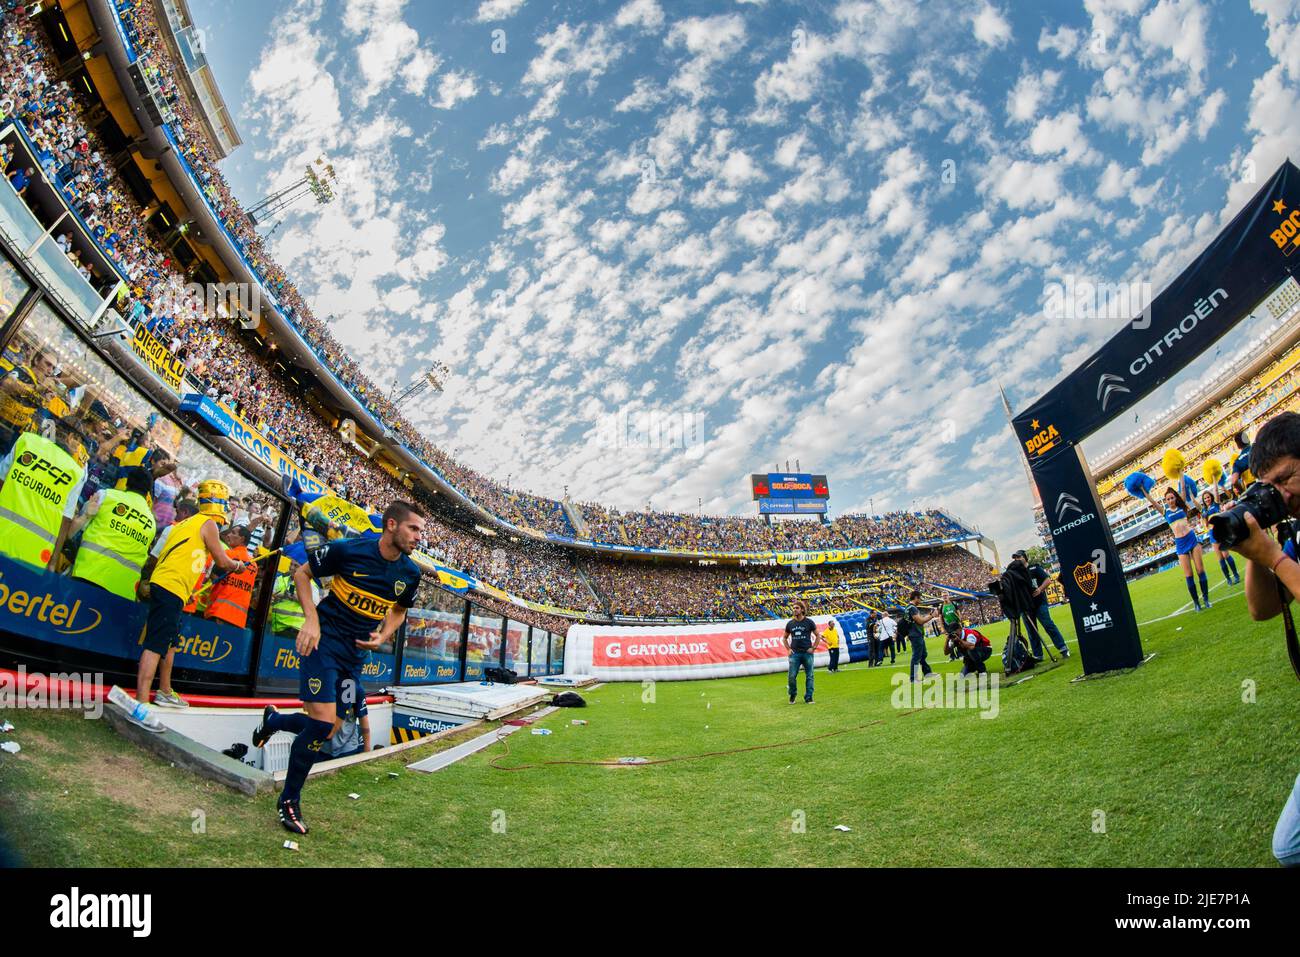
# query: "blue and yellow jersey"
{"type": "Point", "coordinates": [365, 586]}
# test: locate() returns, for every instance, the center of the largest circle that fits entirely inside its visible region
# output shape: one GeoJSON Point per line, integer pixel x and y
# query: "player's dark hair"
{"type": "Point", "coordinates": [1182, 503]}
{"type": "Point", "coordinates": [1279, 438]}
{"type": "Point", "coordinates": [399, 511]}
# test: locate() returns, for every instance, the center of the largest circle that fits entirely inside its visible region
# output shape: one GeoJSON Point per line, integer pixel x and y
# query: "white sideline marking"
{"type": "Point", "coordinates": [1187, 606]}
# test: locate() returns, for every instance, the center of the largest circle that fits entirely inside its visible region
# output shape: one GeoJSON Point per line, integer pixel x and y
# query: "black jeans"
{"type": "Point", "coordinates": [835, 659]}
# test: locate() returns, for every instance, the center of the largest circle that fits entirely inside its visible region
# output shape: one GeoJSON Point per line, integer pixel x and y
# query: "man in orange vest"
{"type": "Point", "coordinates": [229, 597]}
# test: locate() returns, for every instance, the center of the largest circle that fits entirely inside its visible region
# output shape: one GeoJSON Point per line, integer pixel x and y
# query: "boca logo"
{"type": "Point", "coordinates": [1044, 439]}
{"type": "Point", "coordinates": [313, 685]}
{"type": "Point", "coordinates": [398, 588]}
{"type": "Point", "coordinates": [1085, 576]}
{"type": "Point", "coordinates": [1287, 235]}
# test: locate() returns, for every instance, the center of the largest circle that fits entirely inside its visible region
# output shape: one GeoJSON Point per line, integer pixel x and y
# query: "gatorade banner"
{"type": "Point", "coordinates": [1246, 262]}
{"type": "Point", "coordinates": [155, 354]}
{"type": "Point", "coordinates": [679, 652]}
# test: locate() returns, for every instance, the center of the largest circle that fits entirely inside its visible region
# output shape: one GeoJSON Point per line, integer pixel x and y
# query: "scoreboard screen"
{"type": "Point", "coordinates": [790, 492]}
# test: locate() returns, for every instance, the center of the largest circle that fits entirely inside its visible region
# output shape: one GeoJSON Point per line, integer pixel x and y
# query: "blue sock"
{"type": "Point", "coordinates": [1205, 587]}
{"type": "Point", "coordinates": [1223, 566]}
{"type": "Point", "coordinates": [293, 723]}
{"type": "Point", "coordinates": [306, 751]}
{"type": "Point", "coordinates": [1233, 566]}
{"type": "Point", "coordinates": [1191, 590]}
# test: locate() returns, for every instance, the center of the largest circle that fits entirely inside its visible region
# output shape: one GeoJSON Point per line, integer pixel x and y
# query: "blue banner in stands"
{"type": "Point", "coordinates": [1246, 262]}
{"type": "Point", "coordinates": [41, 605]}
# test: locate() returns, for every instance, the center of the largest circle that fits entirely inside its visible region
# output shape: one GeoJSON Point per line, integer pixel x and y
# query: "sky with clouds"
{"type": "Point", "coordinates": [819, 231]}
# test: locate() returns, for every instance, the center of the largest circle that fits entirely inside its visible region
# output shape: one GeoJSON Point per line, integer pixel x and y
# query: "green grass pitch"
{"type": "Point", "coordinates": [1184, 762]}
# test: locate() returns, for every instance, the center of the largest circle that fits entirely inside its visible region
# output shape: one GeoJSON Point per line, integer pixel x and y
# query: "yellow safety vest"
{"type": "Point", "coordinates": [33, 498]}
{"type": "Point", "coordinates": [115, 544]}
{"type": "Point", "coordinates": [184, 558]}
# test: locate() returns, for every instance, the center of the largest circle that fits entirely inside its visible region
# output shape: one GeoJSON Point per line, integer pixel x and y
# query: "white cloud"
{"type": "Point", "coordinates": [991, 27]}
{"type": "Point", "coordinates": [491, 10]}
{"type": "Point", "coordinates": [708, 41]}
{"type": "Point", "coordinates": [1031, 91]}
{"type": "Point", "coordinates": [646, 14]}
{"type": "Point", "coordinates": [453, 87]}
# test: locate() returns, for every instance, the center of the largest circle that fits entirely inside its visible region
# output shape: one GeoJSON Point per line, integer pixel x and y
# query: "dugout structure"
{"type": "Point", "coordinates": [1238, 270]}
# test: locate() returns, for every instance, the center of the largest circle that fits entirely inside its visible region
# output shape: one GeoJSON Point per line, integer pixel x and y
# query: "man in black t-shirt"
{"type": "Point", "coordinates": [915, 620]}
{"type": "Point", "coordinates": [800, 639]}
{"type": "Point", "coordinates": [1040, 578]}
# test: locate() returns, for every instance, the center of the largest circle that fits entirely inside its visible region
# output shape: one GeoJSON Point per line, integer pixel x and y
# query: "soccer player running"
{"type": "Point", "coordinates": [374, 582]}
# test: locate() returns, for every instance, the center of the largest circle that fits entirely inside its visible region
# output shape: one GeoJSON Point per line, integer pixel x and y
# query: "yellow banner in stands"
{"type": "Point", "coordinates": [157, 357]}
{"type": "Point", "coordinates": [827, 557]}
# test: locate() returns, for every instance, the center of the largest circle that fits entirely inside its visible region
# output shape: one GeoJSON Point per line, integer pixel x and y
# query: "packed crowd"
{"type": "Point", "coordinates": [752, 534]}
{"type": "Point", "coordinates": [1146, 547]}
{"type": "Point", "coordinates": [644, 589]}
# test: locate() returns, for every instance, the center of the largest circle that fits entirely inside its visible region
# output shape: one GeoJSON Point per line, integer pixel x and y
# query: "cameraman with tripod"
{"type": "Point", "coordinates": [1272, 573]}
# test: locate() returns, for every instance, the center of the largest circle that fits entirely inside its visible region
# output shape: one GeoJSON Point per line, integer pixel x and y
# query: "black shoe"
{"type": "Point", "coordinates": [792, 699]}
{"type": "Point", "coordinates": [262, 734]}
{"type": "Point", "coordinates": [807, 700]}
{"type": "Point", "coordinates": [291, 817]}
{"type": "Point", "coordinates": [1065, 652]}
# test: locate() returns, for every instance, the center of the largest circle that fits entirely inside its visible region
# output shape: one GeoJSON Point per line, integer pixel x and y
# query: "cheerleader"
{"type": "Point", "coordinates": [1211, 507]}
{"type": "Point", "coordinates": [1186, 546]}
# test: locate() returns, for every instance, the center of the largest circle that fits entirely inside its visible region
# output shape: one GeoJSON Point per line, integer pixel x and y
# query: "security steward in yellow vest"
{"type": "Point", "coordinates": [182, 556]}
{"type": "Point", "coordinates": [229, 598]}
{"type": "Point", "coordinates": [119, 528]}
{"type": "Point", "coordinates": [286, 612]}
{"type": "Point", "coordinates": [38, 498]}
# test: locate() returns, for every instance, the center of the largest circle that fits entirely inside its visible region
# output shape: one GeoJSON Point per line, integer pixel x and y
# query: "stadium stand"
{"type": "Point", "coordinates": [239, 370]}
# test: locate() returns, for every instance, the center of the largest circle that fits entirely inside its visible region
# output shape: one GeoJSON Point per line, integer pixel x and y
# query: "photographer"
{"type": "Point", "coordinates": [1015, 591]}
{"type": "Point", "coordinates": [1275, 461]}
{"type": "Point", "coordinates": [973, 648]}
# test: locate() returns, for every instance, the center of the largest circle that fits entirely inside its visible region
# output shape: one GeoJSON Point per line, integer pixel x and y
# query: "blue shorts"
{"type": "Point", "coordinates": [1186, 545]}
{"type": "Point", "coordinates": [326, 676]}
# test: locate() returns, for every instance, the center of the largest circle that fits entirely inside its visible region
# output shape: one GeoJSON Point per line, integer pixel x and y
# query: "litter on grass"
{"type": "Point", "coordinates": [291, 845]}
{"type": "Point", "coordinates": [6, 727]}
{"type": "Point", "coordinates": [842, 827]}
{"type": "Point", "coordinates": [632, 760]}
{"type": "Point", "coordinates": [355, 797]}
{"type": "Point", "coordinates": [541, 730]}
{"type": "Point", "coordinates": [11, 747]}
